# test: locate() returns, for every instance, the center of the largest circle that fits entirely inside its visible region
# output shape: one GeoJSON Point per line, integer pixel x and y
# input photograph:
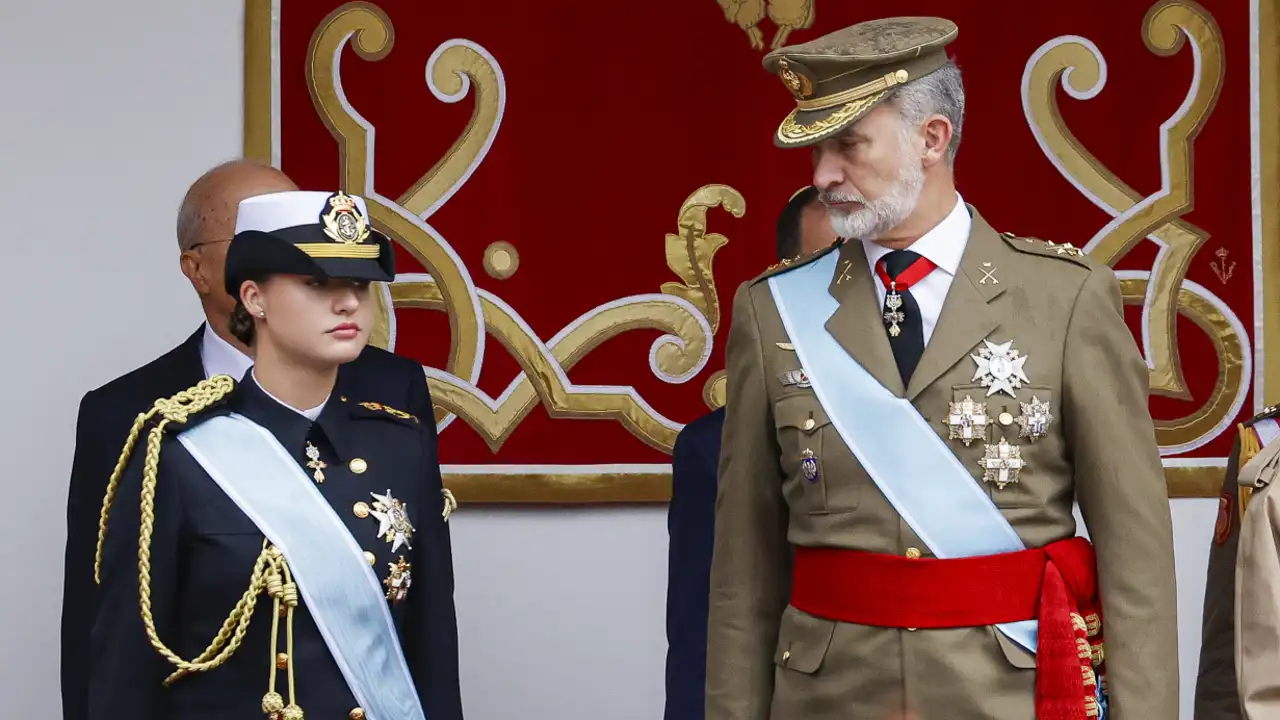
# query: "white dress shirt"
{"type": "Point", "coordinates": [944, 247]}
{"type": "Point", "coordinates": [220, 357]}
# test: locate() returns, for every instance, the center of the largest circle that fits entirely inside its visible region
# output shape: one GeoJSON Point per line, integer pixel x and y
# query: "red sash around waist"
{"type": "Point", "coordinates": [1056, 585]}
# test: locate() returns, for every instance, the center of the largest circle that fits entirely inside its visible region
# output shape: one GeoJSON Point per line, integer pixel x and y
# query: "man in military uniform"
{"type": "Point", "coordinates": [1217, 692]}
{"type": "Point", "coordinates": [1257, 578]}
{"type": "Point", "coordinates": [895, 534]}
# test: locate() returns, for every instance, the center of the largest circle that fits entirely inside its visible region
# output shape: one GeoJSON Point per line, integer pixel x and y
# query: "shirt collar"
{"type": "Point", "coordinates": [292, 426]}
{"type": "Point", "coordinates": [943, 245]}
{"type": "Point", "coordinates": [220, 357]}
{"type": "Point", "coordinates": [289, 426]}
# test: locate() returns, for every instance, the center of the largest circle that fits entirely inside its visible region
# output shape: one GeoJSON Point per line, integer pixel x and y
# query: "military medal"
{"type": "Point", "coordinates": [809, 465]}
{"type": "Point", "coordinates": [1035, 419]}
{"type": "Point", "coordinates": [967, 420]}
{"type": "Point", "coordinates": [314, 463]}
{"type": "Point", "coordinates": [892, 314]}
{"type": "Point", "coordinates": [1001, 464]}
{"type": "Point", "coordinates": [914, 273]}
{"type": "Point", "coordinates": [796, 378]}
{"type": "Point", "coordinates": [398, 581]}
{"type": "Point", "coordinates": [393, 520]}
{"type": "Point", "coordinates": [1000, 368]}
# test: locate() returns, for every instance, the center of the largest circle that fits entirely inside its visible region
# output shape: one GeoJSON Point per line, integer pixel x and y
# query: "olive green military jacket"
{"type": "Point", "coordinates": [1257, 582]}
{"type": "Point", "coordinates": [766, 659]}
{"type": "Point", "coordinates": [1217, 694]}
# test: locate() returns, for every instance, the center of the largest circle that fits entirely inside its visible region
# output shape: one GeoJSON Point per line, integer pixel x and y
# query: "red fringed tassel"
{"type": "Point", "coordinates": [1063, 650]}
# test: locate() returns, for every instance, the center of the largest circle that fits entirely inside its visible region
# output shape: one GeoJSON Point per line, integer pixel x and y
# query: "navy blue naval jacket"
{"type": "Point", "coordinates": [105, 416]}
{"type": "Point", "coordinates": [202, 555]}
{"type": "Point", "coordinates": [691, 526]}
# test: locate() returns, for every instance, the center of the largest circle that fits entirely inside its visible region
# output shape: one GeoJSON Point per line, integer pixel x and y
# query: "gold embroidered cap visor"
{"type": "Point", "coordinates": [840, 77]}
{"type": "Point", "coordinates": [321, 235]}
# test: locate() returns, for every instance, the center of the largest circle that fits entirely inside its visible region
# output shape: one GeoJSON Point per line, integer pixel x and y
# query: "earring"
{"type": "Point", "coordinates": [262, 313]}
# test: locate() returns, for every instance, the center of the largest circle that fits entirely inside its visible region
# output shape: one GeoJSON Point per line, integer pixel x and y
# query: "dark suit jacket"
{"type": "Point", "coordinates": [691, 526]}
{"type": "Point", "coordinates": [107, 413]}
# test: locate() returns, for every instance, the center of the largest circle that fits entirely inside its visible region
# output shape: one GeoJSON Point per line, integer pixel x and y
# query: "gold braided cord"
{"type": "Point", "coordinates": [173, 409]}
{"type": "Point", "coordinates": [240, 615]}
{"type": "Point", "coordinates": [282, 589]}
{"type": "Point", "coordinates": [113, 485]}
{"type": "Point", "coordinates": [234, 628]}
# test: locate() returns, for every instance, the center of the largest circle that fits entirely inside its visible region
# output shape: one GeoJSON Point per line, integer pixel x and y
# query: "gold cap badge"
{"type": "Point", "coordinates": [343, 222]}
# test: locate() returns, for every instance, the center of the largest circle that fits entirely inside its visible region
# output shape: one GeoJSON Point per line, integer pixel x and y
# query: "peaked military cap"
{"type": "Point", "coordinates": [838, 78]}
{"type": "Point", "coordinates": [320, 234]}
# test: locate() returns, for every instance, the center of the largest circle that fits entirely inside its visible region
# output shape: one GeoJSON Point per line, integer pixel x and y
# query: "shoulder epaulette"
{"type": "Point", "coordinates": [1048, 248]}
{"type": "Point", "coordinates": [1250, 446]}
{"type": "Point", "coordinates": [795, 262]}
{"type": "Point", "coordinates": [178, 409]}
{"type": "Point", "coordinates": [381, 409]}
{"type": "Point", "coordinates": [1266, 413]}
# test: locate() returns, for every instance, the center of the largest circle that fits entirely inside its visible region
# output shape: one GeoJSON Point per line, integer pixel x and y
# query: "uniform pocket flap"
{"type": "Point", "coordinates": [803, 641]}
{"type": "Point", "coordinates": [1017, 655]}
{"type": "Point", "coordinates": [797, 411]}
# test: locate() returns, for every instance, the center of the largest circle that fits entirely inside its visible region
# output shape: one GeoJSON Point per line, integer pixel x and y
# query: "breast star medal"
{"type": "Point", "coordinates": [967, 420]}
{"type": "Point", "coordinates": [393, 520]}
{"type": "Point", "coordinates": [398, 581]}
{"type": "Point", "coordinates": [1000, 368]}
{"type": "Point", "coordinates": [893, 311]}
{"type": "Point", "coordinates": [1035, 419]}
{"type": "Point", "coordinates": [314, 463]}
{"type": "Point", "coordinates": [809, 465]}
{"type": "Point", "coordinates": [1001, 464]}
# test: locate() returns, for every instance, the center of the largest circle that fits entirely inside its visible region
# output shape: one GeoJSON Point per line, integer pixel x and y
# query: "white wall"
{"type": "Point", "coordinates": [107, 112]}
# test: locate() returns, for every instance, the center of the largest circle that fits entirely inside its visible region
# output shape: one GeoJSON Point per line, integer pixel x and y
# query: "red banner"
{"type": "Point", "coordinates": [578, 190]}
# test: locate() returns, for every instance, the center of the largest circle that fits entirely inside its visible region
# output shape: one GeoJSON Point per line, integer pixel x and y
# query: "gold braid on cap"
{"type": "Point", "coordinates": [270, 571]}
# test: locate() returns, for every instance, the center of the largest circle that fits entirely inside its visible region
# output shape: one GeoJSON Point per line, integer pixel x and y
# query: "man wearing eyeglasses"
{"type": "Point", "coordinates": [206, 222]}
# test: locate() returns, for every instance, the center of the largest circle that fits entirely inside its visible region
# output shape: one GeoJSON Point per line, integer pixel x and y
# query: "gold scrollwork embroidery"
{"type": "Point", "coordinates": [1229, 348]}
{"type": "Point", "coordinates": [687, 312]}
{"type": "Point", "coordinates": [1168, 25]}
{"type": "Point", "coordinates": [372, 36]}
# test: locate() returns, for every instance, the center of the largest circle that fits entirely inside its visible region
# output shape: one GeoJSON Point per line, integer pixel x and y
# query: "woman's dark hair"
{"type": "Point", "coordinates": [241, 325]}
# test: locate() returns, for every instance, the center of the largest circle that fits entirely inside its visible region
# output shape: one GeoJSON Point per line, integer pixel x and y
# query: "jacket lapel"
{"type": "Point", "coordinates": [187, 367]}
{"type": "Point", "coordinates": [856, 323]}
{"type": "Point", "coordinates": [966, 317]}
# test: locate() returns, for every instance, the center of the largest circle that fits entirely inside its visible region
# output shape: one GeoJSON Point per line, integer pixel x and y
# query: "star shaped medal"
{"type": "Point", "coordinates": [1000, 368]}
{"type": "Point", "coordinates": [393, 520]}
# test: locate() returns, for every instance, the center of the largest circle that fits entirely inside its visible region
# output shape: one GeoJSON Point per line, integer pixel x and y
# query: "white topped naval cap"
{"type": "Point", "coordinates": [322, 234]}
{"type": "Point", "coordinates": [276, 211]}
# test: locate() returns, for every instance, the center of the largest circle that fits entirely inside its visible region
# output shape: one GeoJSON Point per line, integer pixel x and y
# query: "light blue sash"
{"type": "Point", "coordinates": [336, 583]}
{"type": "Point", "coordinates": [919, 475]}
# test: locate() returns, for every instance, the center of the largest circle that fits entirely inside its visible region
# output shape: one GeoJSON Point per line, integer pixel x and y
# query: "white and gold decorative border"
{"type": "Point", "coordinates": [689, 311]}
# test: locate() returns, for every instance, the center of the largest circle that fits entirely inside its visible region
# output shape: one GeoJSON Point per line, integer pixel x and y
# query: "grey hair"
{"type": "Point", "coordinates": [941, 92]}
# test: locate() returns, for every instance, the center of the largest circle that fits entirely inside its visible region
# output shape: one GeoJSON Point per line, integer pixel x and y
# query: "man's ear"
{"type": "Point", "coordinates": [937, 139]}
{"type": "Point", "coordinates": [189, 261]}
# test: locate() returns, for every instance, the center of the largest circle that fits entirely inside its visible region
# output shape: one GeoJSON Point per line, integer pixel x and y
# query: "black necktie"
{"type": "Point", "coordinates": [904, 313]}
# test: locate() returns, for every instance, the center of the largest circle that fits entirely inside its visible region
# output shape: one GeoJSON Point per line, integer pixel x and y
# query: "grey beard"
{"type": "Point", "coordinates": [884, 213]}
